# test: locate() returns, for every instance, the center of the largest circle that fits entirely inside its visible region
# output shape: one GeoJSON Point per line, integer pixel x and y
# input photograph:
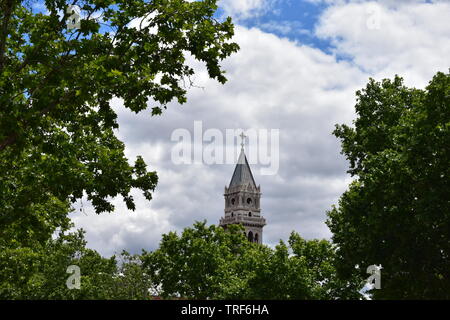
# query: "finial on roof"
{"type": "Point", "coordinates": [243, 136]}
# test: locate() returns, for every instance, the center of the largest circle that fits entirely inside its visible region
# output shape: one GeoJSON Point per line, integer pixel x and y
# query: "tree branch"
{"type": "Point", "coordinates": [12, 138]}
{"type": "Point", "coordinates": [7, 9]}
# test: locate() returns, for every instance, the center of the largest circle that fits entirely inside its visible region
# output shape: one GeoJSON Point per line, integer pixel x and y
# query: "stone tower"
{"type": "Point", "coordinates": [242, 203]}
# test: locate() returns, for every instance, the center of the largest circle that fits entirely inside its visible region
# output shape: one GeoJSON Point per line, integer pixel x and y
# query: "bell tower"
{"type": "Point", "coordinates": [242, 200]}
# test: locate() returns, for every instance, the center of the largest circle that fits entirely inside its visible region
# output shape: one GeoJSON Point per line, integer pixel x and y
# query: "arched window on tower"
{"type": "Point", "coordinates": [250, 236]}
{"type": "Point", "coordinates": [256, 238]}
{"type": "Point", "coordinates": [249, 214]}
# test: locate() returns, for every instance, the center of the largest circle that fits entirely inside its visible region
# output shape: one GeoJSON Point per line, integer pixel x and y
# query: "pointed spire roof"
{"type": "Point", "coordinates": [242, 174]}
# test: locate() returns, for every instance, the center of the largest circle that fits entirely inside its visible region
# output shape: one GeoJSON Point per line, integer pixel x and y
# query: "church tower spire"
{"type": "Point", "coordinates": [242, 200]}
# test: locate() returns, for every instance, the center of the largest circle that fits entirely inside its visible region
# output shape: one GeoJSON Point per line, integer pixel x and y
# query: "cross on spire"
{"type": "Point", "coordinates": [243, 136]}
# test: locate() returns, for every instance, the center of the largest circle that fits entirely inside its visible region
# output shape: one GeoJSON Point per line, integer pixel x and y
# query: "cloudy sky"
{"type": "Point", "coordinates": [299, 66]}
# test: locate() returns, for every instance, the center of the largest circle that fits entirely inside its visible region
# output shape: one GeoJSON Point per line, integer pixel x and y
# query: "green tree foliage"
{"type": "Point", "coordinates": [131, 281]}
{"type": "Point", "coordinates": [210, 262]}
{"type": "Point", "coordinates": [396, 212]}
{"type": "Point", "coordinates": [203, 263]}
{"type": "Point", "coordinates": [57, 138]}
{"type": "Point", "coordinates": [41, 272]}
{"type": "Point", "coordinates": [197, 263]}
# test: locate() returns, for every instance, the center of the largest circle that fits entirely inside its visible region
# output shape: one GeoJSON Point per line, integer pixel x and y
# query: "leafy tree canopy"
{"type": "Point", "coordinates": [210, 262]}
{"type": "Point", "coordinates": [203, 262]}
{"type": "Point", "coordinates": [41, 272]}
{"type": "Point", "coordinates": [397, 211]}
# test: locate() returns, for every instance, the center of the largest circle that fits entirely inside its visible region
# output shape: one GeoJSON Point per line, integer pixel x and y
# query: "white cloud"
{"type": "Point", "coordinates": [384, 2]}
{"type": "Point", "coordinates": [245, 9]}
{"type": "Point", "coordinates": [413, 40]}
